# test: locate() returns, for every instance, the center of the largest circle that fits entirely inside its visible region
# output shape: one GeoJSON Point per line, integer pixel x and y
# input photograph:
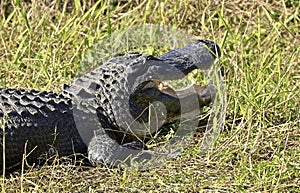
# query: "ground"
{"type": "Point", "coordinates": [43, 42]}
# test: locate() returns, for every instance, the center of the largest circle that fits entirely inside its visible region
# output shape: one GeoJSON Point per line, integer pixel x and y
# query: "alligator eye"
{"type": "Point", "coordinates": [132, 54]}
{"type": "Point", "coordinates": [148, 56]}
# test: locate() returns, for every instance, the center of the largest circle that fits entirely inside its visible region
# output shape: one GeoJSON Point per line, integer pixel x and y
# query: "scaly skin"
{"type": "Point", "coordinates": [41, 120]}
{"type": "Point", "coordinates": [93, 113]}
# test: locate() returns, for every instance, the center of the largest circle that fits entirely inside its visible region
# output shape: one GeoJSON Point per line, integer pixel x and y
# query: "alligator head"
{"type": "Point", "coordinates": [141, 87]}
{"type": "Point", "coordinates": [125, 89]}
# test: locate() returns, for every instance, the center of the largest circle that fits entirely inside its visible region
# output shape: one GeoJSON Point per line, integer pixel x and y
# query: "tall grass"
{"type": "Point", "coordinates": [42, 44]}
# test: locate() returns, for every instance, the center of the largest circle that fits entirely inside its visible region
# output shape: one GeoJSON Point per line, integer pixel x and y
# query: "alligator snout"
{"type": "Point", "coordinates": [177, 63]}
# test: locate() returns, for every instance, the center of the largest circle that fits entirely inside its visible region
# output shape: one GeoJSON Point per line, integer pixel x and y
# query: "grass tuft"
{"type": "Point", "coordinates": [43, 42]}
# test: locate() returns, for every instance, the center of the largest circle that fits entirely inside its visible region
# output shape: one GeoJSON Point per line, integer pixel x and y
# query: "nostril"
{"type": "Point", "coordinates": [212, 46]}
{"type": "Point", "coordinates": [216, 49]}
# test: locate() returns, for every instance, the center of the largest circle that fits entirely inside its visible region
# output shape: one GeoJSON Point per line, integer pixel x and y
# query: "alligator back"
{"type": "Point", "coordinates": [44, 116]}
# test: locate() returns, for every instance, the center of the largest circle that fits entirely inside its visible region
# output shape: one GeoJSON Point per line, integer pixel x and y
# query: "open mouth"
{"type": "Point", "coordinates": [178, 102]}
{"type": "Point", "coordinates": [178, 105]}
{"type": "Point", "coordinates": [154, 103]}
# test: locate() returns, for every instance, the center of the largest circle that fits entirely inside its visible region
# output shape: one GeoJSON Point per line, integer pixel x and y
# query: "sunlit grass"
{"type": "Point", "coordinates": [42, 44]}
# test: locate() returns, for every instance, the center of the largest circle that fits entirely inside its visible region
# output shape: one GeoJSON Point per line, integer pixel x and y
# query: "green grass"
{"type": "Point", "coordinates": [42, 44]}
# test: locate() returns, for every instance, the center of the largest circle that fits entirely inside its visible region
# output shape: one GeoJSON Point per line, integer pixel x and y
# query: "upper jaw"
{"type": "Point", "coordinates": [177, 63]}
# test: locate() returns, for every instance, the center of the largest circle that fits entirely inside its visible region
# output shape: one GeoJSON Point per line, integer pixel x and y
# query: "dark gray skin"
{"type": "Point", "coordinates": [93, 114]}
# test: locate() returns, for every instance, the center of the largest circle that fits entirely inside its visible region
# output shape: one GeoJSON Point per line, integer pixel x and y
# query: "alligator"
{"type": "Point", "coordinates": [94, 114]}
